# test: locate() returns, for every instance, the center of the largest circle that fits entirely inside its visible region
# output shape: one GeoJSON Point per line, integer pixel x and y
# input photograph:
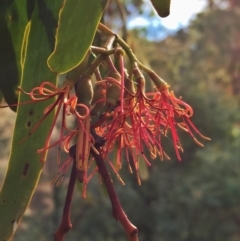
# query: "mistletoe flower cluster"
{"type": "Point", "coordinates": [114, 110]}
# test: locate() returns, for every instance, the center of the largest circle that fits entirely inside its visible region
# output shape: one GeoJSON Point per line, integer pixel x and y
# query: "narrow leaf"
{"type": "Point", "coordinates": [24, 166]}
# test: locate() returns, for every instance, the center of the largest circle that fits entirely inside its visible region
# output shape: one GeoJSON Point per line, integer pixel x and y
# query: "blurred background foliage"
{"type": "Point", "coordinates": [197, 199]}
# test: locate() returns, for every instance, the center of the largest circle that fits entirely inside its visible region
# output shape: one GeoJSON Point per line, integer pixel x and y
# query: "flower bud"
{"type": "Point", "coordinates": [99, 99]}
{"type": "Point", "coordinates": [113, 90]}
{"type": "Point", "coordinates": [84, 90]}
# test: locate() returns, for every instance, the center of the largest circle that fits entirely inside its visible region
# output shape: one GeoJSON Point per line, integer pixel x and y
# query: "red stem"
{"type": "Point", "coordinates": [66, 224]}
{"type": "Point", "coordinates": [118, 213]}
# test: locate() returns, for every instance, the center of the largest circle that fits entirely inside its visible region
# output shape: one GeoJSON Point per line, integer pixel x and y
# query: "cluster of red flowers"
{"type": "Point", "coordinates": [128, 119]}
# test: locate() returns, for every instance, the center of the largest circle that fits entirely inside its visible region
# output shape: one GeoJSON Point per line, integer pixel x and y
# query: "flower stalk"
{"type": "Point", "coordinates": [66, 224]}
{"type": "Point", "coordinates": [117, 210]}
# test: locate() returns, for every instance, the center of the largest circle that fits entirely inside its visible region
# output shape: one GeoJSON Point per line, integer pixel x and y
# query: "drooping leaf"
{"type": "Point", "coordinates": [162, 7]}
{"type": "Point", "coordinates": [75, 33]}
{"type": "Point", "coordinates": [24, 166]}
{"type": "Point", "coordinates": [13, 21]}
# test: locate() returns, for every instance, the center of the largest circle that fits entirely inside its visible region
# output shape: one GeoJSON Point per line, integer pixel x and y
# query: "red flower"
{"type": "Point", "coordinates": [65, 102]}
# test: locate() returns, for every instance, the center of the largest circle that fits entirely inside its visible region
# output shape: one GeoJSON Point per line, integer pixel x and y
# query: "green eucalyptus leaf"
{"type": "Point", "coordinates": [162, 7]}
{"type": "Point", "coordinates": [78, 22]}
{"type": "Point", "coordinates": [13, 21]}
{"type": "Point", "coordinates": [24, 166]}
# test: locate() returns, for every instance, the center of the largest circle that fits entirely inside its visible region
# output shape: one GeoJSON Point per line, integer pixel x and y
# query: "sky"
{"type": "Point", "coordinates": [181, 12]}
